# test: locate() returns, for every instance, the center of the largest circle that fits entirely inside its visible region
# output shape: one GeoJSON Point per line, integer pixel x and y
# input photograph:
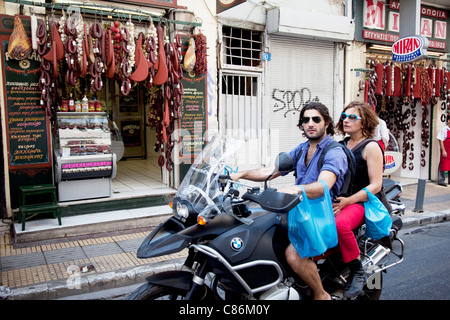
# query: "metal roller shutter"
{"type": "Point", "coordinates": [300, 71]}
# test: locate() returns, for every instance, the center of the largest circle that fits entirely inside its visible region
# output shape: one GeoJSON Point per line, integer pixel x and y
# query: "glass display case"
{"type": "Point", "coordinates": [84, 161]}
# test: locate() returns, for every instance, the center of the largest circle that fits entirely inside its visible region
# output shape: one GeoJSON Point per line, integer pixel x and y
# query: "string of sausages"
{"type": "Point", "coordinates": [411, 84]}
{"type": "Point", "coordinates": [71, 52]}
{"type": "Point", "coordinates": [89, 52]}
{"type": "Point", "coordinates": [47, 84]}
{"type": "Point", "coordinates": [97, 67]}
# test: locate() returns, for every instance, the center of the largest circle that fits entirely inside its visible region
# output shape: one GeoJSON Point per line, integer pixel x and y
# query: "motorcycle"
{"type": "Point", "coordinates": [236, 244]}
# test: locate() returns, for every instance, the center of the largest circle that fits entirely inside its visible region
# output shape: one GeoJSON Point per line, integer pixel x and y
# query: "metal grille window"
{"type": "Point", "coordinates": [242, 47]}
{"type": "Point", "coordinates": [240, 104]}
{"type": "Point", "coordinates": [239, 85]}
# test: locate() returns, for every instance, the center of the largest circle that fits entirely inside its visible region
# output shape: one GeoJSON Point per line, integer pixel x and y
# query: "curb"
{"type": "Point", "coordinates": [120, 278]}
{"type": "Point", "coordinates": [93, 283]}
{"type": "Point", "coordinates": [425, 218]}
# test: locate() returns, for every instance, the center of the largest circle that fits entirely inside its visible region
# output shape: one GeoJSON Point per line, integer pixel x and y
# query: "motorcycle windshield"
{"type": "Point", "coordinates": [200, 187]}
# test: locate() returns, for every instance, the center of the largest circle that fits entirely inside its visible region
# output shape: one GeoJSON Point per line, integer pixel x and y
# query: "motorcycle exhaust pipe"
{"type": "Point", "coordinates": [375, 255]}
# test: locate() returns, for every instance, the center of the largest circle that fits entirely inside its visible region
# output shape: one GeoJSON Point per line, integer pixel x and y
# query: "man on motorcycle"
{"type": "Point", "coordinates": [318, 127]}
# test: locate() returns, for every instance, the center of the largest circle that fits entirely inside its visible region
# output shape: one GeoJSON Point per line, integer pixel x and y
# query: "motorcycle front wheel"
{"type": "Point", "coordinates": [155, 292]}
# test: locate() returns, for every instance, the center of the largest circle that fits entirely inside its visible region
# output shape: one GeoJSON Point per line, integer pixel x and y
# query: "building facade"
{"type": "Point", "coordinates": [265, 60]}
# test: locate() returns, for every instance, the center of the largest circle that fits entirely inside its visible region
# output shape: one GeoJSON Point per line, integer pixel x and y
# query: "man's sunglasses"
{"type": "Point", "coordinates": [316, 119]}
{"type": "Point", "coordinates": [352, 117]}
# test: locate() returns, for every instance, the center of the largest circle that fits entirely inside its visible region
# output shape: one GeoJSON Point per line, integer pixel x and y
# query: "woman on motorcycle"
{"type": "Point", "coordinates": [359, 121]}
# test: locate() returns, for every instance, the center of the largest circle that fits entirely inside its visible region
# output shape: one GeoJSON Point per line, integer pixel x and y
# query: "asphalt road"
{"type": "Point", "coordinates": [425, 272]}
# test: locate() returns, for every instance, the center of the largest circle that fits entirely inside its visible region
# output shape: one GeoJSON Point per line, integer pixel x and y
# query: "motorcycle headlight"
{"type": "Point", "coordinates": [182, 210]}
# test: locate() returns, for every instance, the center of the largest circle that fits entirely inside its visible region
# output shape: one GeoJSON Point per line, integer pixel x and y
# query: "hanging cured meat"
{"type": "Point", "coordinates": [379, 82]}
{"type": "Point", "coordinates": [19, 46]}
{"type": "Point", "coordinates": [388, 80]}
{"type": "Point", "coordinates": [417, 85]}
{"type": "Point", "coordinates": [84, 65]}
{"type": "Point", "coordinates": [161, 63]}
{"type": "Point", "coordinates": [189, 57]}
{"type": "Point", "coordinates": [408, 81]}
{"type": "Point", "coordinates": [397, 82]}
{"type": "Point", "coordinates": [141, 72]}
{"type": "Point", "coordinates": [58, 52]}
{"type": "Point", "coordinates": [200, 54]}
{"type": "Point", "coordinates": [366, 91]}
{"type": "Point", "coordinates": [111, 59]}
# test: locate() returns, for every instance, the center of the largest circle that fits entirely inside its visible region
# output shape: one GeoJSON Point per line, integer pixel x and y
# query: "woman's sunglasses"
{"type": "Point", "coordinates": [316, 119]}
{"type": "Point", "coordinates": [352, 117]}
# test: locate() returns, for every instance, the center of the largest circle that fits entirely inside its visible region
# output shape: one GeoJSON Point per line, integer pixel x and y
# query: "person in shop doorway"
{"type": "Point", "coordinates": [444, 144]}
{"type": "Point", "coordinates": [317, 125]}
{"type": "Point", "coordinates": [381, 133]}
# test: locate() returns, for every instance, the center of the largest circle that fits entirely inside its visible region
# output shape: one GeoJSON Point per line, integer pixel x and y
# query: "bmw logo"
{"type": "Point", "coordinates": [237, 244]}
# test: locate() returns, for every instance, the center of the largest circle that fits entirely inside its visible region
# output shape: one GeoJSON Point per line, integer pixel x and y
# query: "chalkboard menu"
{"type": "Point", "coordinates": [193, 122]}
{"type": "Point", "coordinates": [26, 123]}
{"type": "Point", "coordinates": [27, 120]}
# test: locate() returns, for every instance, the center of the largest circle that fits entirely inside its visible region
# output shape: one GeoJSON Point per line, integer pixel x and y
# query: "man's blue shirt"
{"type": "Point", "coordinates": [335, 161]}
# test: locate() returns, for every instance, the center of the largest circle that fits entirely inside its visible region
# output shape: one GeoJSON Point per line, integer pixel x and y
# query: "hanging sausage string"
{"type": "Point", "coordinates": [396, 89]}
{"type": "Point", "coordinates": [74, 51]}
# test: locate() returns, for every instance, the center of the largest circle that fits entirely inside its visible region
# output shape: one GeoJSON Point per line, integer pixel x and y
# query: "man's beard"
{"type": "Point", "coordinates": [317, 136]}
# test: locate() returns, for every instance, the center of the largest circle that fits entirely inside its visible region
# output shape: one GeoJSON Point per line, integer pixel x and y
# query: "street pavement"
{"type": "Point", "coordinates": [73, 267]}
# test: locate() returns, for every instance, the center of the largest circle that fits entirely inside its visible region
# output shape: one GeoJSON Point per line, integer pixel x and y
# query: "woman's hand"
{"type": "Point", "coordinates": [340, 203]}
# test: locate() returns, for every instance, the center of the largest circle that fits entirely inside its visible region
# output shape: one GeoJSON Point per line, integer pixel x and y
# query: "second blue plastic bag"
{"type": "Point", "coordinates": [378, 221]}
{"type": "Point", "coordinates": [312, 229]}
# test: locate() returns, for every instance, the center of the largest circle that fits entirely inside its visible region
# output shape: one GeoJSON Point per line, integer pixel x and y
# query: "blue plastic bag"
{"type": "Point", "coordinates": [311, 225]}
{"type": "Point", "coordinates": [378, 221]}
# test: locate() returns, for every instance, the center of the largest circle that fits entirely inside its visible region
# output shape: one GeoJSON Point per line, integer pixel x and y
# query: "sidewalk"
{"type": "Point", "coordinates": [60, 268]}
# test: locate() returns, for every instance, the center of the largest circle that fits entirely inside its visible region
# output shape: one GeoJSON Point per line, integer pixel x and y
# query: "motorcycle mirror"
{"type": "Point", "coordinates": [283, 162]}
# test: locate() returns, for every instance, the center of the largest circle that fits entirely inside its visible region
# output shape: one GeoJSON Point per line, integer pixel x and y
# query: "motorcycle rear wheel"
{"type": "Point", "coordinates": [154, 292]}
{"type": "Point", "coordinates": [374, 292]}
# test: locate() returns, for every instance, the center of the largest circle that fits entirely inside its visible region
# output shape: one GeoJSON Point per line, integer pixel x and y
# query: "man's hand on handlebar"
{"type": "Point", "coordinates": [294, 189]}
{"type": "Point", "coordinates": [235, 176]}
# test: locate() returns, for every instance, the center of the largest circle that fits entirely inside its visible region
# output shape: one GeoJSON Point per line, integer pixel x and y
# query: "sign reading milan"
{"type": "Point", "coordinates": [409, 49]}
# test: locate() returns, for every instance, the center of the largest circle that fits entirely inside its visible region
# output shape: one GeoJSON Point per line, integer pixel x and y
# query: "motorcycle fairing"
{"type": "Point", "coordinates": [174, 279]}
{"type": "Point", "coordinates": [171, 236]}
{"type": "Point", "coordinates": [164, 239]}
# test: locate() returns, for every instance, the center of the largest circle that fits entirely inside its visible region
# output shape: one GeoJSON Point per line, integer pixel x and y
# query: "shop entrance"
{"type": "Point", "coordinates": [137, 166]}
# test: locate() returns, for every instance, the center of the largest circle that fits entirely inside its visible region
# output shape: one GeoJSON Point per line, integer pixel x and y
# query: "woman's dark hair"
{"type": "Point", "coordinates": [323, 112]}
{"type": "Point", "coordinates": [369, 119]}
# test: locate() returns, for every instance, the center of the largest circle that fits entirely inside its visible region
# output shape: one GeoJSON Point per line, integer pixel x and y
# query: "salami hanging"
{"type": "Point", "coordinates": [397, 82]}
{"type": "Point", "coordinates": [379, 69]}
